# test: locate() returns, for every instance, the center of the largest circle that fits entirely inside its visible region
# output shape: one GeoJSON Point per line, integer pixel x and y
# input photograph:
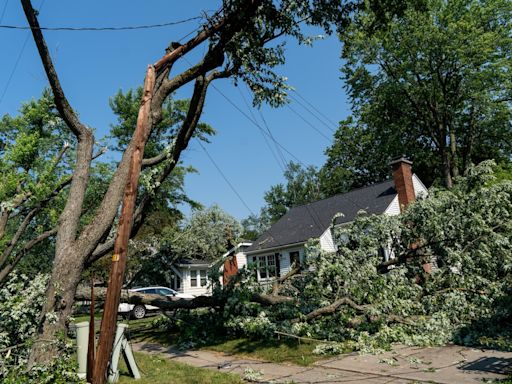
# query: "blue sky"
{"type": "Point", "coordinates": [93, 66]}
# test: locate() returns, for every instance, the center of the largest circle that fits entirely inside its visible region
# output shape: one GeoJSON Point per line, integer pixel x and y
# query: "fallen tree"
{"type": "Point", "coordinates": [84, 293]}
{"type": "Point", "coordinates": [465, 233]}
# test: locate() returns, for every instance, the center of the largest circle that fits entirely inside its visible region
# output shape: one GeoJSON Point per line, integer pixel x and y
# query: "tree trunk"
{"type": "Point", "coordinates": [115, 283]}
{"type": "Point", "coordinates": [448, 182]}
{"type": "Point", "coordinates": [58, 306]}
{"type": "Point", "coordinates": [453, 152]}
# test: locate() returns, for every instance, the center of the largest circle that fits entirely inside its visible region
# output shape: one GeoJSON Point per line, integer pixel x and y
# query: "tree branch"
{"type": "Point", "coordinates": [61, 101]}
{"type": "Point", "coordinates": [7, 269]}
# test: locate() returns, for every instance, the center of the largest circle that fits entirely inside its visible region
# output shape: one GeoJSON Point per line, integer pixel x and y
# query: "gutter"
{"type": "Point", "coordinates": [275, 248]}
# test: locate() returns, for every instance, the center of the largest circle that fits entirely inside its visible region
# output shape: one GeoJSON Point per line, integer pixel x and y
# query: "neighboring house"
{"type": "Point", "coordinates": [283, 244]}
{"type": "Point", "coordinates": [191, 277]}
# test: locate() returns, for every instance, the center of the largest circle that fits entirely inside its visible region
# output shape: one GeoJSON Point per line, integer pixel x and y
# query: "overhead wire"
{"type": "Point", "coordinates": [278, 150]}
{"type": "Point", "coordinates": [315, 115]}
{"type": "Point", "coordinates": [95, 29]}
{"type": "Point", "coordinates": [224, 177]}
{"type": "Point", "coordinates": [256, 124]}
{"type": "Point", "coordinates": [308, 123]}
{"type": "Point", "coordinates": [9, 79]}
{"type": "Point", "coordinates": [281, 165]}
{"type": "Point", "coordinates": [314, 108]}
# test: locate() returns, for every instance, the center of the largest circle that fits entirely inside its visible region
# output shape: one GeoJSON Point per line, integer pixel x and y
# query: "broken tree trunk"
{"type": "Point", "coordinates": [115, 283]}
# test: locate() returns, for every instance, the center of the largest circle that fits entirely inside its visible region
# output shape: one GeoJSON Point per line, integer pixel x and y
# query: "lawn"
{"type": "Point", "coordinates": [156, 369]}
{"type": "Point", "coordinates": [277, 351]}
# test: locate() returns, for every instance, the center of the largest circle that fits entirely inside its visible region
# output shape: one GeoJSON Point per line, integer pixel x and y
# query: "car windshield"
{"type": "Point", "coordinates": [166, 292]}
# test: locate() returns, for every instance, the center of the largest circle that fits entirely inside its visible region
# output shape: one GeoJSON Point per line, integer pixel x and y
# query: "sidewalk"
{"type": "Point", "coordinates": [446, 365]}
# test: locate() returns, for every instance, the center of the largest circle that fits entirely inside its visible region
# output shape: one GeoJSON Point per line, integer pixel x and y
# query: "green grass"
{"type": "Point", "coordinates": [277, 351]}
{"type": "Point", "coordinates": [288, 350]}
{"type": "Point", "coordinates": [156, 369]}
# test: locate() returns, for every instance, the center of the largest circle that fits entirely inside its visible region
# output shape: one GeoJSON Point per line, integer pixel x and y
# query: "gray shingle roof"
{"type": "Point", "coordinates": [308, 221]}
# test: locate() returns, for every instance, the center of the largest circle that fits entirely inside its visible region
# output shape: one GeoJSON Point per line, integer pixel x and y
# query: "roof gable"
{"type": "Point", "coordinates": [308, 221]}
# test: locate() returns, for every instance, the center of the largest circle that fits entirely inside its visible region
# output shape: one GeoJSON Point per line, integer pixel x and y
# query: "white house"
{"type": "Point", "coordinates": [276, 250]}
{"type": "Point", "coordinates": [191, 276]}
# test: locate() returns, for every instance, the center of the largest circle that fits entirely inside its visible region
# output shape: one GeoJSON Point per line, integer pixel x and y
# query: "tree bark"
{"type": "Point", "coordinates": [108, 321]}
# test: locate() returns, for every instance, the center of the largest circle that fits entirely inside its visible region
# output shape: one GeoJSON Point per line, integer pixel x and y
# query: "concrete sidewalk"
{"type": "Point", "coordinates": [447, 365]}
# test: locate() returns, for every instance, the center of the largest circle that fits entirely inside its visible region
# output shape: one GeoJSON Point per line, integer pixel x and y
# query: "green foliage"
{"type": "Point", "coordinates": [463, 234]}
{"type": "Point", "coordinates": [433, 84]}
{"type": "Point", "coordinates": [21, 300]}
{"type": "Point", "coordinates": [206, 235]}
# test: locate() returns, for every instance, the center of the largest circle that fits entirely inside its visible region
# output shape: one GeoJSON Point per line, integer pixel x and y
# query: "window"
{"type": "Point", "coordinates": [166, 292]}
{"type": "Point", "coordinates": [198, 278]}
{"type": "Point", "coordinates": [266, 266]}
{"type": "Point", "coordinates": [294, 258]}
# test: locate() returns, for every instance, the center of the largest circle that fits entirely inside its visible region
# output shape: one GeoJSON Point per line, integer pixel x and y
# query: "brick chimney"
{"type": "Point", "coordinates": [402, 176]}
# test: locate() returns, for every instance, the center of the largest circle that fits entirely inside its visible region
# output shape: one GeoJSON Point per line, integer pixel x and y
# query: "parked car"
{"type": "Point", "coordinates": [138, 311]}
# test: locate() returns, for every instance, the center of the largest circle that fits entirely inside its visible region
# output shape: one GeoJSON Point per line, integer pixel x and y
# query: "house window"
{"type": "Point", "coordinates": [198, 278]}
{"type": "Point", "coordinates": [294, 258]}
{"type": "Point", "coordinates": [266, 266]}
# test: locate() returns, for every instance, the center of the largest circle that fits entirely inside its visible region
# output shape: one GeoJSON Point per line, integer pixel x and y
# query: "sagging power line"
{"type": "Point", "coordinates": [124, 28]}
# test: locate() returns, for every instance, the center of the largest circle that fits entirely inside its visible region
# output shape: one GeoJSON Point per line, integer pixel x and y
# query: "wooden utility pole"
{"type": "Point", "coordinates": [115, 280]}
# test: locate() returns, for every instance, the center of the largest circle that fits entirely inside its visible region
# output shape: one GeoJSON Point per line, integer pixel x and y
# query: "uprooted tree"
{"type": "Point", "coordinates": [237, 39]}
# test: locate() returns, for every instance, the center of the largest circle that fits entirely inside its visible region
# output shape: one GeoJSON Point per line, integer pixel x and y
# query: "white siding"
{"type": "Point", "coordinates": [393, 208]}
{"type": "Point", "coordinates": [186, 284]}
{"type": "Point", "coordinates": [326, 241]}
{"type": "Point", "coordinates": [284, 263]}
{"type": "Point", "coordinates": [419, 187]}
{"type": "Point", "coordinates": [241, 260]}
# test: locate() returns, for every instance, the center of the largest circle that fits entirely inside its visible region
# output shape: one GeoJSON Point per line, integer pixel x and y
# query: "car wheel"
{"type": "Point", "coordinates": [138, 312]}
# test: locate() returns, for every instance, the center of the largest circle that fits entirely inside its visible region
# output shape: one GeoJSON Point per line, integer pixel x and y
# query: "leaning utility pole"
{"type": "Point", "coordinates": [115, 280]}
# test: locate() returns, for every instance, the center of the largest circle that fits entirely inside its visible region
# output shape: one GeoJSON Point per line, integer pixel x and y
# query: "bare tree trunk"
{"type": "Point", "coordinates": [453, 153]}
{"type": "Point", "coordinates": [445, 157]}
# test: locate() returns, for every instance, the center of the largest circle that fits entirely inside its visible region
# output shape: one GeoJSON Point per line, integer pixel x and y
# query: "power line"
{"type": "Point", "coordinates": [313, 114]}
{"type": "Point", "coordinates": [278, 150]}
{"type": "Point", "coordinates": [256, 124]}
{"type": "Point", "coordinates": [316, 109]}
{"type": "Point", "coordinates": [308, 123]}
{"type": "Point", "coordinates": [125, 28]}
{"type": "Point", "coordinates": [17, 59]}
{"type": "Point", "coordinates": [225, 178]}
{"type": "Point", "coordinates": [264, 137]}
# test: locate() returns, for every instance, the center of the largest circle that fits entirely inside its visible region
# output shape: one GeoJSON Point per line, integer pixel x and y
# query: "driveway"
{"type": "Point", "coordinates": [447, 365]}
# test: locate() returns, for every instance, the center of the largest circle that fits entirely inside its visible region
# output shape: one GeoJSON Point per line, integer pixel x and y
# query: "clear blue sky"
{"type": "Point", "coordinates": [94, 65]}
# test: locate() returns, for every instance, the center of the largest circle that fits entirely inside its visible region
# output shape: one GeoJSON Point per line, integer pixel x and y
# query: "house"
{"type": "Point", "coordinates": [191, 276]}
{"type": "Point", "coordinates": [283, 244]}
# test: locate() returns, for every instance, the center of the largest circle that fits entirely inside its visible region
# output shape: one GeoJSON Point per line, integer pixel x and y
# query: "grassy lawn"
{"type": "Point", "coordinates": [159, 370]}
{"type": "Point", "coordinates": [277, 351]}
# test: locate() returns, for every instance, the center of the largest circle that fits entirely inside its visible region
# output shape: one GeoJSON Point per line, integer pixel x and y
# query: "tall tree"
{"type": "Point", "coordinates": [35, 168]}
{"type": "Point", "coordinates": [237, 45]}
{"type": "Point", "coordinates": [433, 85]}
